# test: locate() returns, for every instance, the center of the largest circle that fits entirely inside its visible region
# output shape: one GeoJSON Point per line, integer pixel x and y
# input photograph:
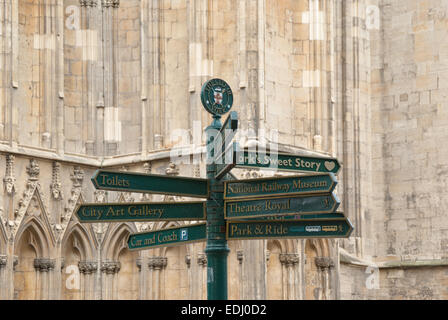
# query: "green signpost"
{"type": "Point", "coordinates": [142, 211]}
{"type": "Point", "coordinates": [300, 206]}
{"type": "Point", "coordinates": [167, 237]}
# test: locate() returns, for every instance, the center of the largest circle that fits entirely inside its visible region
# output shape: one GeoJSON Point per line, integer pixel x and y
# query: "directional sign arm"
{"type": "Point", "coordinates": [226, 161]}
{"type": "Point", "coordinates": [167, 237]}
{"type": "Point", "coordinates": [286, 162]}
{"type": "Point", "coordinates": [150, 183]}
{"type": "Point", "coordinates": [335, 228]}
{"type": "Point", "coordinates": [143, 211]}
{"type": "Point", "coordinates": [226, 133]}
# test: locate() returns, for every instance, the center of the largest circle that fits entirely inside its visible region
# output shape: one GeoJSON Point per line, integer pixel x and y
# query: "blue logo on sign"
{"type": "Point", "coordinates": [184, 234]}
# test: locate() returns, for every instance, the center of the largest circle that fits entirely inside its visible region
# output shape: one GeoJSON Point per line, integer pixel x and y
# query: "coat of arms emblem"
{"type": "Point", "coordinates": [217, 97]}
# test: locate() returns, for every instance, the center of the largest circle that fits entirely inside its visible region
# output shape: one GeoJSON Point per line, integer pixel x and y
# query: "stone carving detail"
{"type": "Point", "coordinates": [110, 3]}
{"type": "Point", "coordinates": [88, 3]}
{"type": "Point", "coordinates": [146, 196]}
{"type": "Point", "coordinates": [3, 260]}
{"type": "Point", "coordinates": [251, 174]}
{"type": "Point", "coordinates": [44, 264]}
{"type": "Point", "coordinates": [77, 176]}
{"type": "Point", "coordinates": [110, 267]}
{"type": "Point", "coordinates": [202, 259]}
{"type": "Point", "coordinates": [56, 185]}
{"type": "Point", "coordinates": [33, 170]}
{"type": "Point", "coordinates": [157, 263]}
{"type": "Point", "coordinates": [172, 169]}
{"type": "Point", "coordinates": [324, 262]}
{"type": "Point", "coordinates": [87, 267]}
{"type": "Point", "coordinates": [15, 262]}
{"type": "Point", "coordinates": [139, 263]}
{"type": "Point", "coordinates": [197, 171]}
{"type": "Point", "coordinates": [289, 259]}
{"type": "Point", "coordinates": [9, 180]}
{"type": "Point", "coordinates": [240, 256]}
{"type": "Point", "coordinates": [100, 196]}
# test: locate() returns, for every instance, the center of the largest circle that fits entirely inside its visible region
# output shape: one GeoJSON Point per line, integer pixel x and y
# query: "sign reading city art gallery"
{"type": "Point", "coordinates": [151, 183]}
{"type": "Point", "coordinates": [247, 208]}
{"type": "Point", "coordinates": [290, 185]}
{"type": "Point", "coordinates": [167, 237]}
{"type": "Point", "coordinates": [286, 162]}
{"type": "Point", "coordinates": [151, 211]}
{"type": "Point", "coordinates": [336, 228]}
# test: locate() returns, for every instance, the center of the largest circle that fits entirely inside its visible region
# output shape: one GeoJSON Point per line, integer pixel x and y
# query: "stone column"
{"type": "Point", "coordinates": [289, 262]}
{"type": "Point", "coordinates": [44, 268]}
{"type": "Point", "coordinates": [111, 75]}
{"type": "Point", "coordinates": [87, 270]}
{"type": "Point", "coordinates": [240, 257]}
{"type": "Point", "coordinates": [109, 269]}
{"type": "Point", "coordinates": [3, 283]}
{"type": "Point", "coordinates": [202, 262]}
{"type": "Point", "coordinates": [324, 265]}
{"type": "Point", "coordinates": [142, 272]}
{"type": "Point", "coordinates": [156, 266]}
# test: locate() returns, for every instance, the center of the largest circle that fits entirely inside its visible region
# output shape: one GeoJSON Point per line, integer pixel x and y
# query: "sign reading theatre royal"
{"type": "Point", "coordinates": [301, 206]}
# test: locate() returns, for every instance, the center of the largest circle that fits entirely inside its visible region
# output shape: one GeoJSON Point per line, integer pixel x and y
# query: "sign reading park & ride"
{"type": "Point", "coordinates": [259, 207]}
{"type": "Point", "coordinates": [286, 162]}
{"type": "Point", "coordinates": [150, 183]}
{"type": "Point", "coordinates": [335, 228]}
{"type": "Point", "coordinates": [288, 185]}
{"type": "Point", "coordinates": [141, 211]}
{"type": "Point", "coordinates": [167, 237]}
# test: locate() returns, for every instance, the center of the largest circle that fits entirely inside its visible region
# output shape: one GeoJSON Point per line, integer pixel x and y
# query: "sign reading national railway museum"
{"type": "Point", "coordinates": [286, 162]}
{"type": "Point", "coordinates": [289, 185]}
{"type": "Point", "coordinates": [150, 211]}
{"type": "Point", "coordinates": [167, 237]}
{"type": "Point", "coordinates": [247, 208]}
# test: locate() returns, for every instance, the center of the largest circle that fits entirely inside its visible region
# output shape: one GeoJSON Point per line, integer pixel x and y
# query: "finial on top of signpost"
{"type": "Point", "coordinates": [216, 97]}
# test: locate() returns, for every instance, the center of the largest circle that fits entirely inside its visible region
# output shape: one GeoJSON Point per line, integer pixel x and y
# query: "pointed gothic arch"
{"type": "Point", "coordinates": [38, 236]}
{"type": "Point", "coordinates": [78, 247]}
{"type": "Point", "coordinates": [33, 249]}
{"type": "Point", "coordinates": [87, 243]}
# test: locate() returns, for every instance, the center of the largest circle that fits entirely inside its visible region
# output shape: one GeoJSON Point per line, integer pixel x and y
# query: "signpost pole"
{"type": "Point", "coordinates": [216, 249]}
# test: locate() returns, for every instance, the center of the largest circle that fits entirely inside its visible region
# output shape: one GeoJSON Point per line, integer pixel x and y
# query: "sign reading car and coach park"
{"type": "Point", "coordinates": [300, 206]}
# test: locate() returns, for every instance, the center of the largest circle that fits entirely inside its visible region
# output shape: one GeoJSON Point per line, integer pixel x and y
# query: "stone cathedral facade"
{"type": "Point", "coordinates": [88, 84]}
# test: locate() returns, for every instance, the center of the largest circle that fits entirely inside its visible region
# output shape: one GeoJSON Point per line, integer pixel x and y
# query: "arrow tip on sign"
{"type": "Point", "coordinates": [94, 178]}
{"type": "Point", "coordinates": [350, 226]}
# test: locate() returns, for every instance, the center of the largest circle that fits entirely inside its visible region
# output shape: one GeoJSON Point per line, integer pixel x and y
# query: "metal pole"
{"type": "Point", "coordinates": [216, 249]}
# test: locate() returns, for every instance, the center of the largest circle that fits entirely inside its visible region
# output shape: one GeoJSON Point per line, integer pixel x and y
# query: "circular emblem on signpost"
{"type": "Point", "coordinates": [216, 97]}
